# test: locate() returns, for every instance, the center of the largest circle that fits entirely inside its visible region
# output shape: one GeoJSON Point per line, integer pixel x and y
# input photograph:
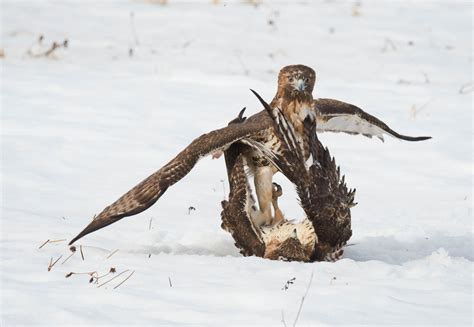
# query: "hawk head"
{"type": "Point", "coordinates": [297, 78]}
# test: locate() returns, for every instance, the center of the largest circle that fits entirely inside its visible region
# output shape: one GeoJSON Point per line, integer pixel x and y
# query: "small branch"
{"type": "Point", "coordinates": [303, 298]}
{"type": "Point", "coordinates": [123, 281]}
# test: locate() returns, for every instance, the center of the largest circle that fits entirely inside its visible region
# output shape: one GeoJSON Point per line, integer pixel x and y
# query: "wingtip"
{"type": "Point", "coordinates": [94, 225]}
{"type": "Point", "coordinates": [415, 139]}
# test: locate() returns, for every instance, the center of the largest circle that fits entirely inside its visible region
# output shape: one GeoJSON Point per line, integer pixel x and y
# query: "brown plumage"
{"type": "Point", "coordinates": [322, 192]}
{"type": "Point", "coordinates": [262, 152]}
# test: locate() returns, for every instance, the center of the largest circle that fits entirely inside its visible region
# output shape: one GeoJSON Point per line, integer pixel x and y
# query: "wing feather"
{"type": "Point", "coordinates": [337, 116]}
{"type": "Point", "coordinates": [146, 193]}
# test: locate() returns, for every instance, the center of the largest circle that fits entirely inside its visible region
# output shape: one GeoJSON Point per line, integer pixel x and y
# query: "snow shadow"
{"type": "Point", "coordinates": [392, 251]}
{"type": "Point", "coordinates": [209, 246]}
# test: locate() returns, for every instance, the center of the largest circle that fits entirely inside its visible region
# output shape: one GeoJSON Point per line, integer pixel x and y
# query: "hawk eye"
{"type": "Point", "coordinates": [290, 79]}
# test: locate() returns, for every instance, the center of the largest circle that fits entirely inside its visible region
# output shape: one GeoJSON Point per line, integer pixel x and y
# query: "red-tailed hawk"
{"type": "Point", "coordinates": [264, 149]}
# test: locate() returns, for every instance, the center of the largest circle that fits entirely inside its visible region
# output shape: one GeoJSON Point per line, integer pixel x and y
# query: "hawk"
{"type": "Point", "coordinates": [265, 150]}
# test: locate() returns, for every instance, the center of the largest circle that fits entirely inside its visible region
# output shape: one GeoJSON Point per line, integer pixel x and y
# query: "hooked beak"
{"type": "Point", "coordinates": [299, 84]}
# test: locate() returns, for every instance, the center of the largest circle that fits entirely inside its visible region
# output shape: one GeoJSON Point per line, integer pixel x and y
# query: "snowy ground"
{"type": "Point", "coordinates": [80, 130]}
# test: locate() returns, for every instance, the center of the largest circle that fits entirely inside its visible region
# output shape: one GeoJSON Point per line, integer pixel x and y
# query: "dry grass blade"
{"type": "Point", "coordinates": [47, 241]}
{"type": "Point", "coordinates": [303, 298]}
{"type": "Point", "coordinates": [108, 257]}
{"type": "Point", "coordinates": [57, 241]}
{"type": "Point", "coordinates": [51, 263]}
{"type": "Point", "coordinates": [123, 281]}
{"type": "Point", "coordinates": [123, 272]}
{"type": "Point", "coordinates": [68, 258]}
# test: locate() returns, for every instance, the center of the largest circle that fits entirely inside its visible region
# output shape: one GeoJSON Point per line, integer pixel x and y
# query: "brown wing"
{"type": "Point", "coordinates": [235, 217]}
{"type": "Point", "coordinates": [323, 194]}
{"type": "Point", "coordinates": [338, 116]}
{"type": "Point", "coordinates": [145, 194]}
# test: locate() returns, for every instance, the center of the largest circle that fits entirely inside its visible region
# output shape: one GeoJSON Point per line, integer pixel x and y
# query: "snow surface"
{"type": "Point", "coordinates": [80, 130]}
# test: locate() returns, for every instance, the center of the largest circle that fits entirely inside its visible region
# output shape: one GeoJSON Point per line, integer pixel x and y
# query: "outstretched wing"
{"type": "Point", "coordinates": [338, 116]}
{"type": "Point", "coordinates": [145, 194]}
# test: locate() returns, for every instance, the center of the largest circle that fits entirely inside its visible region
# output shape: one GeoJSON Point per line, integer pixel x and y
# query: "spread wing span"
{"type": "Point", "coordinates": [146, 193]}
{"type": "Point", "coordinates": [337, 116]}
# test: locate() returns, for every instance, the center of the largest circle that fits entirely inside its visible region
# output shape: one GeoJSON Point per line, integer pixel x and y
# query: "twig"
{"type": "Point", "coordinates": [108, 257]}
{"type": "Point", "coordinates": [111, 271]}
{"type": "Point", "coordinates": [44, 244]}
{"type": "Point", "coordinates": [169, 280]}
{"type": "Point", "coordinates": [68, 257]}
{"type": "Point", "coordinates": [303, 298]}
{"type": "Point", "coordinates": [123, 272]}
{"type": "Point", "coordinates": [82, 253]}
{"type": "Point", "coordinates": [51, 263]}
{"type": "Point", "coordinates": [81, 273]}
{"type": "Point", "coordinates": [123, 281]}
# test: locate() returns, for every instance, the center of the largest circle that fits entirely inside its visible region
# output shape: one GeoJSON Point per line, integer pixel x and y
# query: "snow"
{"type": "Point", "coordinates": [80, 129]}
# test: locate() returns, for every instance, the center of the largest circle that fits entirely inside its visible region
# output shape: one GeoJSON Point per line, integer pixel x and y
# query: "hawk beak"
{"type": "Point", "coordinates": [300, 85]}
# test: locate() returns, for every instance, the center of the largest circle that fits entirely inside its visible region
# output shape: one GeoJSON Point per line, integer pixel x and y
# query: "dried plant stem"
{"type": "Point", "coordinates": [108, 257]}
{"type": "Point", "coordinates": [123, 272]}
{"type": "Point", "coordinates": [303, 298]}
{"type": "Point", "coordinates": [47, 241]}
{"type": "Point", "coordinates": [283, 317]}
{"type": "Point", "coordinates": [51, 263]}
{"type": "Point", "coordinates": [57, 241]}
{"type": "Point", "coordinates": [68, 257]}
{"type": "Point", "coordinates": [123, 281]}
